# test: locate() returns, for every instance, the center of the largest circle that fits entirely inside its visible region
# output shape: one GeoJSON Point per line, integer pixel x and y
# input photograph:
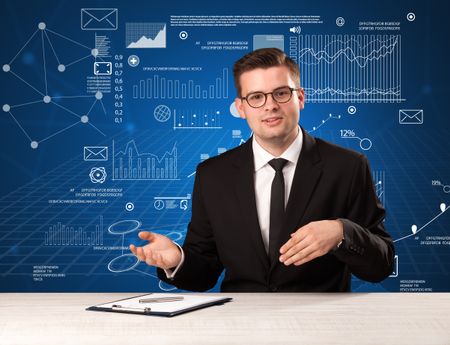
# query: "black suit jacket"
{"type": "Point", "coordinates": [330, 182]}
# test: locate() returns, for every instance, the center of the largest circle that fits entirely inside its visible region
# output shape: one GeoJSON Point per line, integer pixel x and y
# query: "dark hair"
{"type": "Point", "coordinates": [264, 58]}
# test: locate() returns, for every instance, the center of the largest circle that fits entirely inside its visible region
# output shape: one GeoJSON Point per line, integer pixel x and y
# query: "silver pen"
{"type": "Point", "coordinates": [161, 299]}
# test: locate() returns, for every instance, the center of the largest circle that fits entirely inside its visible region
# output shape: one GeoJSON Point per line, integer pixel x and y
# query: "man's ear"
{"type": "Point", "coordinates": [240, 107]}
{"type": "Point", "coordinates": [301, 98]}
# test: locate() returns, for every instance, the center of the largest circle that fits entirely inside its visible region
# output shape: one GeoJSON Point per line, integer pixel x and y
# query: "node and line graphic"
{"type": "Point", "coordinates": [43, 96]}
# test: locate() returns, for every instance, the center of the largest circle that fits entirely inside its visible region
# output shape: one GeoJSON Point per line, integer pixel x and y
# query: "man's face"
{"type": "Point", "coordinates": [273, 122]}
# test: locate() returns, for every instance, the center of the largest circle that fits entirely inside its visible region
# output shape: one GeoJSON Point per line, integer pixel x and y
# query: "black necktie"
{"type": "Point", "coordinates": [276, 207]}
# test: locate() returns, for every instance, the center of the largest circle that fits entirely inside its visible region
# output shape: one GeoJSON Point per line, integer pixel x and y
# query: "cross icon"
{"type": "Point", "coordinates": [133, 60]}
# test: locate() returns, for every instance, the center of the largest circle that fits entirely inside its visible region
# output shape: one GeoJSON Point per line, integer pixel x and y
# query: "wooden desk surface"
{"type": "Point", "coordinates": [354, 318]}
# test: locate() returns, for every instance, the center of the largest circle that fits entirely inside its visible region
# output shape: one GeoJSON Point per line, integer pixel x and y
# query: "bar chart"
{"type": "Point", "coordinates": [160, 87]}
{"type": "Point", "coordinates": [60, 234]}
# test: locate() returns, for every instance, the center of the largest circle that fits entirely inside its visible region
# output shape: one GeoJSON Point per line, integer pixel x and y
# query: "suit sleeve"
{"type": "Point", "coordinates": [201, 267]}
{"type": "Point", "coordinates": [367, 248]}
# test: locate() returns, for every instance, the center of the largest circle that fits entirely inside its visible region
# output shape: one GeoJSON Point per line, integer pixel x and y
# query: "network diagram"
{"type": "Point", "coordinates": [45, 35]}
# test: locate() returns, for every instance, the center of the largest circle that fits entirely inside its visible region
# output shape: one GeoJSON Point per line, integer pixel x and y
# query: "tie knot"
{"type": "Point", "coordinates": [278, 164]}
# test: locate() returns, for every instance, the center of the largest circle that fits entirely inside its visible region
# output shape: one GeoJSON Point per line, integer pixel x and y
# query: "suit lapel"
{"type": "Point", "coordinates": [306, 177]}
{"type": "Point", "coordinates": [245, 191]}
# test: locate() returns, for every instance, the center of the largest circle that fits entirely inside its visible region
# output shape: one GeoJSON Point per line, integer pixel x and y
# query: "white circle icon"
{"type": "Point", "coordinates": [340, 21]}
{"type": "Point", "coordinates": [183, 35]}
{"type": "Point", "coordinates": [410, 16]}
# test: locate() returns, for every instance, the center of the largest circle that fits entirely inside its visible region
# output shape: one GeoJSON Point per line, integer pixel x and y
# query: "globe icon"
{"type": "Point", "coordinates": [162, 113]}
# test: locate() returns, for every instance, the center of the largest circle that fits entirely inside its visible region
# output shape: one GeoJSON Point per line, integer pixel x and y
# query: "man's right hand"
{"type": "Point", "coordinates": [160, 251]}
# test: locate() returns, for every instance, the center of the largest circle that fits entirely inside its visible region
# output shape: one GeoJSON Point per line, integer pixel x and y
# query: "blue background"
{"type": "Point", "coordinates": [410, 157]}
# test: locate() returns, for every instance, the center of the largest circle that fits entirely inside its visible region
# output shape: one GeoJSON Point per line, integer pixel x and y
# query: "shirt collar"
{"type": "Point", "coordinates": [262, 157]}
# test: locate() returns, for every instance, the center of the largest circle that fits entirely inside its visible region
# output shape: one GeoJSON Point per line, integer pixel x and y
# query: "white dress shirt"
{"type": "Point", "coordinates": [263, 177]}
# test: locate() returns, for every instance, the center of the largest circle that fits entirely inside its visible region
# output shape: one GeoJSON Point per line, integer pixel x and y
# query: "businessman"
{"type": "Point", "coordinates": [283, 212]}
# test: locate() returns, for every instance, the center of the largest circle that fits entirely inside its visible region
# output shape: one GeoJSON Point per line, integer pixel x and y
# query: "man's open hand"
{"type": "Point", "coordinates": [160, 251]}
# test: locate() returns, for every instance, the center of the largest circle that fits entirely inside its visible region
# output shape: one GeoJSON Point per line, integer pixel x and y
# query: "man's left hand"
{"type": "Point", "coordinates": [311, 241]}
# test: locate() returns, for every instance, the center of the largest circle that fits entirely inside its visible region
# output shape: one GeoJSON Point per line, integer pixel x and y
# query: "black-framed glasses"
{"type": "Point", "coordinates": [280, 95]}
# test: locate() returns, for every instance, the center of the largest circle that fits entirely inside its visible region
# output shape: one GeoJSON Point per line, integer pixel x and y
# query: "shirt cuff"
{"type": "Point", "coordinates": [170, 273]}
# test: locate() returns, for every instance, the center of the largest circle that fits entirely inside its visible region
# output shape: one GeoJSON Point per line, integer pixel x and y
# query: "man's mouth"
{"type": "Point", "coordinates": [272, 120]}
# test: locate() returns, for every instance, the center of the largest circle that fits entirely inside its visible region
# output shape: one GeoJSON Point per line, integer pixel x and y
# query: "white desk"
{"type": "Point", "coordinates": [330, 319]}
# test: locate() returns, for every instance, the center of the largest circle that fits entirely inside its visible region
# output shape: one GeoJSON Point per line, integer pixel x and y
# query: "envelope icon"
{"type": "Point", "coordinates": [99, 18]}
{"type": "Point", "coordinates": [95, 153]}
{"type": "Point", "coordinates": [410, 116]}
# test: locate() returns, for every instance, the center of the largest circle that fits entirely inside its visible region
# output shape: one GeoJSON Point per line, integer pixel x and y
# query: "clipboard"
{"type": "Point", "coordinates": [132, 305]}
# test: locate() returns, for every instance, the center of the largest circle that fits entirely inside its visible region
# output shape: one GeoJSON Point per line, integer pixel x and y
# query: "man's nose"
{"type": "Point", "coordinates": [271, 103]}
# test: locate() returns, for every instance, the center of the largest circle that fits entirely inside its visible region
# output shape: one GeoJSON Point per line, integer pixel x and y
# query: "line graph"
{"type": "Point", "coordinates": [146, 35]}
{"type": "Point", "coordinates": [130, 164]}
{"type": "Point", "coordinates": [349, 68]}
{"type": "Point", "coordinates": [330, 116]}
{"type": "Point", "coordinates": [415, 230]}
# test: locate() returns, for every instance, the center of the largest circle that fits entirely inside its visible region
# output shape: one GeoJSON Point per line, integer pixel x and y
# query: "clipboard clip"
{"type": "Point", "coordinates": [139, 310]}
